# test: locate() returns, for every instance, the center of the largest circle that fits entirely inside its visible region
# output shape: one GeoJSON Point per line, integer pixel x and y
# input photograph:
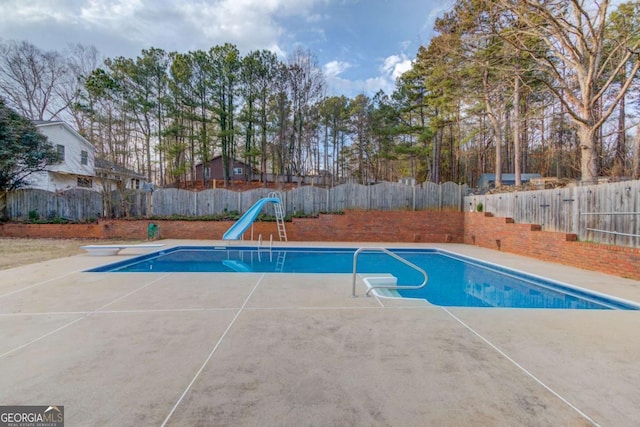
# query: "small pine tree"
{"type": "Point", "coordinates": [23, 149]}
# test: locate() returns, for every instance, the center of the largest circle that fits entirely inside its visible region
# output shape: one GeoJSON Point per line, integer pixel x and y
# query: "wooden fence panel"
{"type": "Point", "coordinates": [350, 196]}
{"type": "Point", "coordinates": [173, 201]}
{"type": "Point", "coordinates": [21, 202]}
{"type": "Point", "coordinates": [390, 195]}
{"type": "Point", "coordinates": [76, 204]}
{"type": "Point", "coordinates": [451, 196]}
{"type": "Point", "coordinates": [128, 204]}
{"type": "Point", "coordinates": [205, 203]}
{"type": "Point", "coordinates": [427, 196]}
{"type": "Point", "coordinates": [307, 199]}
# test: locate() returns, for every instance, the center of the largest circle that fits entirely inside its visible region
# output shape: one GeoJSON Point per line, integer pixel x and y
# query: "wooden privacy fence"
{"type": "Point", "coordinates": [87, 205]}
{"type": "Point", "coordinates": [313, 200]}
{"type": "Point", "coordinates": [605, 213]}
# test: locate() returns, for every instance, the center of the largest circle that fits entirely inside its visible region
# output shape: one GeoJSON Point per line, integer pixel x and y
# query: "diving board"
{"type": "Point", "coordinates": [107, 250]}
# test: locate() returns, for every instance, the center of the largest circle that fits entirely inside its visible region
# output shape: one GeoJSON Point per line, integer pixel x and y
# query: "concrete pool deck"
{"type": "Point", "coordinates": [186, 349]}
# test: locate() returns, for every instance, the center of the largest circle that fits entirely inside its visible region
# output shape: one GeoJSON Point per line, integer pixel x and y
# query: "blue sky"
{"type": "Point", "coordinates": [361, 45]}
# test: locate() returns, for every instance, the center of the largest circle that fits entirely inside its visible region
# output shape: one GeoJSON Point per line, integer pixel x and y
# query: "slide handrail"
{"type": "Point", "coordinates": [399, 258]}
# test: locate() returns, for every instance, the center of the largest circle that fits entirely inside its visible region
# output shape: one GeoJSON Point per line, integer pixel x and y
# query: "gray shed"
{"type": "Point", "coordinates": [488, 180]}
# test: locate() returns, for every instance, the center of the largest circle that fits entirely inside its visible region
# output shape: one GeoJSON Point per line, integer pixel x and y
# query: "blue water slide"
{"type": "Point", "coordinates": [236, 231]}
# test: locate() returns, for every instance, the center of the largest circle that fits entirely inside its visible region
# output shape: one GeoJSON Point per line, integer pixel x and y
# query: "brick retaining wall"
{"type": "Point", "coordinates": [363, 226]}
{"type": "Point", "coordinates": [484, 230]}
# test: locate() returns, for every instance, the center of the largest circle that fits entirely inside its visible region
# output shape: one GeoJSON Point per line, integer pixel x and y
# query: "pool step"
{"type": "Point", "coordinates": [380, 281]}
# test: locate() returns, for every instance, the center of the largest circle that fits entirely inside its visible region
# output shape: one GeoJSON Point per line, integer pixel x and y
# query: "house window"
{"type": "Point", "coordinates": [85, 182]}
{"type": "Point", "coordinates": [135, 184]}
{"type": "Point", "coordinates": [238, 171]}
{"type": "Point", "coordinates": [207, 172]}
{"type": "Point", "coordinates": [60, 149]}
{"type": "Point", "coordinates": [84, 157]}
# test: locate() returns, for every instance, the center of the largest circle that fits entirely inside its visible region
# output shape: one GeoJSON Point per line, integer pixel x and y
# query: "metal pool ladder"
{"type": "Point", "coordinates": [399, 258]}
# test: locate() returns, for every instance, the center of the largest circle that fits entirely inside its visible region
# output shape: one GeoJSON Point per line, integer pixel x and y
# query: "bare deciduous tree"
{"type": "Point", "coordinates": [31, 80]}
{"type": "Point", "coordinates": [580, 66]}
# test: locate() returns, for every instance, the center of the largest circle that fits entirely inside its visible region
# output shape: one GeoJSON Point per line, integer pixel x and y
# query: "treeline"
{"type": "Point", "coordinates": [540, 87]}
{"type": "Point", "coordinates": [530, 86]}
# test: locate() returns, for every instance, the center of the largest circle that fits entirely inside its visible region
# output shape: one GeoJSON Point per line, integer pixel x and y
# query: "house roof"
{"type": "Point", "coordinates": [49, 123]}
{"type": "Point", "coordinates": [112, 167]}
{"type": "Point", "coordinates": [219, 157]}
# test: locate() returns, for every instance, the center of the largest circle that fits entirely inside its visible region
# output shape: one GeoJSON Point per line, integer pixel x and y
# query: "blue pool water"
{"type": "Point", "coordinates": [453, 280]}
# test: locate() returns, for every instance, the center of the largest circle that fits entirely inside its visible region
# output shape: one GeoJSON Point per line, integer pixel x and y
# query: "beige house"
{"type": "Point", "coordinates": [77, 166]}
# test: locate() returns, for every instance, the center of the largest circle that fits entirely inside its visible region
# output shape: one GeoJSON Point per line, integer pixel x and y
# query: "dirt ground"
{"type": "Point", "coordinates": [17, 252]}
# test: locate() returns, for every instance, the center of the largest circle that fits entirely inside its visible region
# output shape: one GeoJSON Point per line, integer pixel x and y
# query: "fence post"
{"type": "Point", "coordinates": [575, 208]}
{"type": "Point", "coordinates": [195, 203]}
{"type": "Point", "coordinates": [3, 204]}
{"type": "Point", "coordinates": [413, 201]}
{"type": "Point", "coordinates": [328, 203]}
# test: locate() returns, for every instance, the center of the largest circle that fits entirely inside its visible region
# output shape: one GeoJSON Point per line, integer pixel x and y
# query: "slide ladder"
{"type": "Point", "coordinates": [279, 211]}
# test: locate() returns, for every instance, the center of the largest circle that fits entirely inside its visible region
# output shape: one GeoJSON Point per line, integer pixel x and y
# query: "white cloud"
{"type": "Point", "coordinates": [376, 84]}
{"type": "Point", "coordinates": [103, 12]}
{"type": "Point", "coordinates": [335, 68]}
{"type": "Point", "coordinates": [335, 83]}
{"type": "Point", "coordinates": [395, 65]}
{"type": "Point", "coordinates": [250, 24]}
{"type": "Point", "coordinates": [341, 86]}
{"type": "Point", "coordinates": [315, 18]}
{"type": "Point", "coordinates": [35, 11]}
{"type": "Point", "coordinates": [224, 21]}
{"type": "Point", "coordinates": [169, 24]}
{"type": "Point", "coordinates": [391, 68]}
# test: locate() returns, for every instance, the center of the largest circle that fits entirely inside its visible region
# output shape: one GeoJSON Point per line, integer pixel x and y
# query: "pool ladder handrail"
{"type": "Point", "coordinates": [399, 258]}
{"type": "Point", "coordinates": [259, 248]}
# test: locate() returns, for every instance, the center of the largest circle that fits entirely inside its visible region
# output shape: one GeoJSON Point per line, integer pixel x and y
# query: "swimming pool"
{"type": "Point", "coordinates": [454, 280]}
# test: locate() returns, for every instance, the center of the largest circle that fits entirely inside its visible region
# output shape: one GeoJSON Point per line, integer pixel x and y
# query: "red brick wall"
{"type": "Point", "coordinates": [365, 226]}
{"type": "Point", "coordinates": [482, 229]}
{"type": "Point", "coordinates": [382, 226]}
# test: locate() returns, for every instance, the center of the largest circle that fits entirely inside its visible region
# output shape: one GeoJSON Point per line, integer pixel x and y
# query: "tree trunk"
{"type": "Point", "coordinates": [497, 129]}
{"type": "Point", "coordinates": [621, 143]}
{"type": "Point", "coordinates": [636, 156]}
{"type": "Point", "coordinates": [588, 155]}
{"type": "Point", "coordinates": [517, 160]}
